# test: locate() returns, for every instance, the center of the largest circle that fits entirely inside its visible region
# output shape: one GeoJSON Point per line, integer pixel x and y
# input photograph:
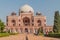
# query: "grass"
{"type": "Point", "coordinates": [7, 34]}
{"type": "Point", "coordinates": [13, 33]}
{"type": "Point", "coordinates": [4, 34]}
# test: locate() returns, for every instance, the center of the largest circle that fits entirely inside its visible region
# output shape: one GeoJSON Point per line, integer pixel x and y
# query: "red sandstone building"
{"type": "Point", "coordinates": [26, 21]}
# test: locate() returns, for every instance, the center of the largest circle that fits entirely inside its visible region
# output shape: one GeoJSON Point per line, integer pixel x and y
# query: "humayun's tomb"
{"type": "Point", "coordinates": [26, 21]}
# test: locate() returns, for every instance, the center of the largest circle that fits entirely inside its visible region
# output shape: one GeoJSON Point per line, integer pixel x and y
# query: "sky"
{"type": "Point", "coordinates": [46, 7]}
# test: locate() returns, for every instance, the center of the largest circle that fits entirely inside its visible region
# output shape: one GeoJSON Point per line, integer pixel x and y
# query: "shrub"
{"type": "Point", "coordinates": [40, 31]}
{"type": "Point", "coordinates": [55, 35]}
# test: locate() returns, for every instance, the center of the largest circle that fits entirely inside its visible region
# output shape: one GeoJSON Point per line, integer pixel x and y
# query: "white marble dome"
{"type": "Point", "coordinates": [26, 8]}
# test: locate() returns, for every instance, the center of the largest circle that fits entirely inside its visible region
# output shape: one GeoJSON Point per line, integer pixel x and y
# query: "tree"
{"type": "Point", "coordinates": [40, 31]}
{"type": "Point", "coordinates": [59, 24]}
{"type": "Point", "coordinates": [56, 22]}
{"type": "Point", "coordinates": [1, 26]}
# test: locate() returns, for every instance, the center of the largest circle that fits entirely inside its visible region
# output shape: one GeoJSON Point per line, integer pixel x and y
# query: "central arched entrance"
{"type": "Point", "coordinates": [26, 30]}
{"type": "Point", "coordinates": [26, 21]}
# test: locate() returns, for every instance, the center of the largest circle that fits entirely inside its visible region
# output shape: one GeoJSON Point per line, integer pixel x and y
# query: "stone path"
{"type": "Point", "coordinates": [30, 37]}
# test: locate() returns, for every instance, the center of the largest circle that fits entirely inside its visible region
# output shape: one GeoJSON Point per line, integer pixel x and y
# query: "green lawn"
{"type": "Point", "coordinates": [4, 34]}
{"type": "Point", "coordinates": [7, 34]}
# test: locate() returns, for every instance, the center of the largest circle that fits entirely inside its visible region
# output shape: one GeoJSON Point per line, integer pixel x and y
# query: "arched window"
{"type": "Point", "coordinates": [39, 22]}
{"type": "Point", "coordinates": [14, 22]}
{"type": "Point", "coordinates": [19, 20]}
{"type": "Point", "coordinates": [32, 20]}
{"type": "Point", "coordinates": [32, 24]}
{"type": "Point", "coordinates": [19, 24]}
{"type": "Point", "coordinates": [26, 30]}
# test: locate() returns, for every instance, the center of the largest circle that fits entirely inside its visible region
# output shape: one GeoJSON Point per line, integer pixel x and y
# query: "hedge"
{"type": "Point", "coordinates": [53, 35]}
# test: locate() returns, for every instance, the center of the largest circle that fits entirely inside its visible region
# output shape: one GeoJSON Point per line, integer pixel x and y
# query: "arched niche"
{"type": "Point", "coordinates": [26, 21]}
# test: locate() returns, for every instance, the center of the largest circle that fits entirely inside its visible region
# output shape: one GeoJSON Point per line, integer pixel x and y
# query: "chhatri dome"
{"type": "Point", "coordinates": [26, 8]}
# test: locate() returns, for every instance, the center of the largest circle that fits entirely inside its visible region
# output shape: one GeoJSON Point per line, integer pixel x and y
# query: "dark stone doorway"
{"type": "Point", "coordinates": [26, 30]}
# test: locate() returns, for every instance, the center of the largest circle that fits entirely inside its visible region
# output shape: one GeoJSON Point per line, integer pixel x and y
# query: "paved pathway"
{"type": "Point", "coordinates": [30, 37]}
